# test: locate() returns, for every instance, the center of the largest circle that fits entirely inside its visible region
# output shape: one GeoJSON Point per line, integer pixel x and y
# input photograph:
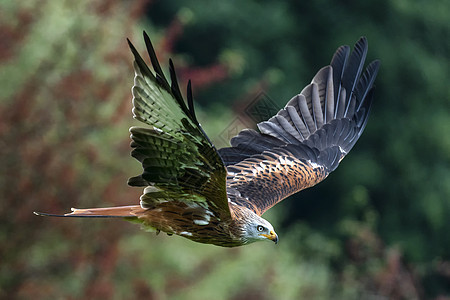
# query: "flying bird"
{"type": "Point", "coordinates": [218, 197]}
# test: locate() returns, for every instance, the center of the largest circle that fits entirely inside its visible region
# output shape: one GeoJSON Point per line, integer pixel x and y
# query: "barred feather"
{"type": "Point", "coordinates": [327, 117]}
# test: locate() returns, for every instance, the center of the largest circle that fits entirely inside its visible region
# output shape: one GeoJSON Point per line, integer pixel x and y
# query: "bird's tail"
{"type": "Point", "coordinates": [104, 212]}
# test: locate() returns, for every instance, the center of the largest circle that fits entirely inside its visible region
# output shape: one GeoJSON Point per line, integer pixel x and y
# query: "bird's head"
{"type": "Point", "coordinates": [258, 229]}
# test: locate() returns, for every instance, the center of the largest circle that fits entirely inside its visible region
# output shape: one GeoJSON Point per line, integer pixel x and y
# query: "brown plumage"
{"type": "Point", "coordinates": [218, 196]}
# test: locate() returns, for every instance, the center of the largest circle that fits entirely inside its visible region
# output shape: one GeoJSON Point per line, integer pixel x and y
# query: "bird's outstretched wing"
{"type": "Point", "coordinates": [179, 161]}
{"type": "Point", "coordinates": [305, 141]}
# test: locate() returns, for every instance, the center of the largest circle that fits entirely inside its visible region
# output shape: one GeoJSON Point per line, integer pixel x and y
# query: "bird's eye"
{"type": "Point", "coordinates": [260, 228]}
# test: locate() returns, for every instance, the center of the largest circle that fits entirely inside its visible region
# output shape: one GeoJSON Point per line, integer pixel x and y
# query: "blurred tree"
{"type": "Point", "coordinates": [398, 180]}
{"type": "Point", "coordinates": [377, 226]}
{"type": "Point", "coordinates": [63, 140]}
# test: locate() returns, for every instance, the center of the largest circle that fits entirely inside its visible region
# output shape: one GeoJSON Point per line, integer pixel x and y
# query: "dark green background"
{"type": "Point", "coordinates": [377, 226]}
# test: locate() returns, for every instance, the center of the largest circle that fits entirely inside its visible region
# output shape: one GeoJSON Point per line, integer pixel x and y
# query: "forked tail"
{"type": "Point", "coordinates": [104, 212]}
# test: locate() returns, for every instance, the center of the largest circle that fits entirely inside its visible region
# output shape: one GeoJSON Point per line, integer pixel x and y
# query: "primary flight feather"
{"type": "Point", "coordinates": [218, 196]}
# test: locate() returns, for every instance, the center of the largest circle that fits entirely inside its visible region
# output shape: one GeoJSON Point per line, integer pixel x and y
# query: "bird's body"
{"type": "Point", "coordinates": [218, 196]}
{"type": "Point", "coordinates": [193, 221]}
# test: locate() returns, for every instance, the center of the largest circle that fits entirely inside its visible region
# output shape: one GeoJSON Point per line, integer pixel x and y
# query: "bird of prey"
{"type": "Point", "coordinates": [218, 196]}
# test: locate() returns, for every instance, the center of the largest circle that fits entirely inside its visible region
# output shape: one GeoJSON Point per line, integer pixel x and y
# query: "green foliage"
{"type": "Point", "coordinates": [403, 157]}
{"type": "Point", "coordinates": [376, 227]}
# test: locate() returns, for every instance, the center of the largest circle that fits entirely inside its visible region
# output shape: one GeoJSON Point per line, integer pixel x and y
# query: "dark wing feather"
{"type": "Point", "coordinates": [306, 140]}
{"type": "Point", "coordinates": [338, 63]}
{"type": "Point", "coordinates": [354, 69]}
{"type": "Point", "coordinates": [179, 162]}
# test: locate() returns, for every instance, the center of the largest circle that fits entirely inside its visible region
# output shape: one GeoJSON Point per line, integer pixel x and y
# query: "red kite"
{"type": "Point", "coordinates": [218, 196]}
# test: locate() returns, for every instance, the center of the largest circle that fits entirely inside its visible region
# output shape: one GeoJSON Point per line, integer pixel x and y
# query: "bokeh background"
{"type": "Point", "coordinates": [377, 228]}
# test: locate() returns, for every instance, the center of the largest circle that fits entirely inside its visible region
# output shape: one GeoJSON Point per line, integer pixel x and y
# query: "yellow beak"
{"type": "Point", "coordinates": [272, 236]}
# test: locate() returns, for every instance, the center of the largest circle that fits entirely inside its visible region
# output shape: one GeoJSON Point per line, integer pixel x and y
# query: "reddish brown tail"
{"type": "Point", "coordinates": [104, 212]}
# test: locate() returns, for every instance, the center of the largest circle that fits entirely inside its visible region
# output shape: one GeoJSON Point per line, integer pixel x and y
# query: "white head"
{"type": "Point", "coordinates": [258, 229]}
